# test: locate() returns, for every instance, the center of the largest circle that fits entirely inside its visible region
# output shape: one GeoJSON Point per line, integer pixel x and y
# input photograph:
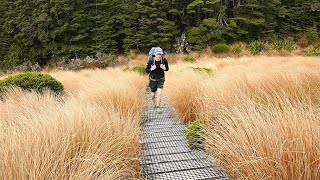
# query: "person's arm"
{"type": "Point", "coordinates": [148, 67]}
{"type": "Point", "coordinates": [166, 64]}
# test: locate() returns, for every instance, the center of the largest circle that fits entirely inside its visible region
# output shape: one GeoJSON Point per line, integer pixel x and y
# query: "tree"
{"type": "Point", "coordinates": [153, 28]}
{"type": "Point", "coordinates": [4, 37]}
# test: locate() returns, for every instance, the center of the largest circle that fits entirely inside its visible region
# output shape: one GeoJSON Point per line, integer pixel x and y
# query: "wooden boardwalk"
{"type": "Point", "coordinates": [165, 152]}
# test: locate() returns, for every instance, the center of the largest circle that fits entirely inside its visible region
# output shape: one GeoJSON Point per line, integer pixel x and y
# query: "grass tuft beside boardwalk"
{"type": "Point", "coordinates": [261, 114]}
{"type": "Point", "coordinates": [90, 133]}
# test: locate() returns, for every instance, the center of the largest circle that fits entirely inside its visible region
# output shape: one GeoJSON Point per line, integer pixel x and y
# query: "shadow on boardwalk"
{"type": "Point", "coordinates": [165, 152]}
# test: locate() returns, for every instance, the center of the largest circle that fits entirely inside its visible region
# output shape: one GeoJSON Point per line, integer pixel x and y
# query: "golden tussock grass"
{"type": "Point", "coordinates": [92, 132]}
{"type": "Point", "coordinates": [182, 88]}
{"type": "Point", "coordinates": [181, 93]}
{"type": "Point", "coordinates": [262, 115]}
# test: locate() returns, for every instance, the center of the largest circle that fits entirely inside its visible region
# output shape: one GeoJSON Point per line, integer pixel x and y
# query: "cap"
{"type": "Point", "coordinates": [158, 51]}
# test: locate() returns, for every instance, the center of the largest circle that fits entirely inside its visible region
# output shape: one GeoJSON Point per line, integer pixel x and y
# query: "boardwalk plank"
{"type": "Point", "coordinates": [165, 152]}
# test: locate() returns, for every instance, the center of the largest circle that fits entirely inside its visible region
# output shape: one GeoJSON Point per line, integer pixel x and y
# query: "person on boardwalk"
{"type": "Point", "coordinates": [156, 67]}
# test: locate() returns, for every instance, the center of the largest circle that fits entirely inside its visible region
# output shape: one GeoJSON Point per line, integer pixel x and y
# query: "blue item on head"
{"type": "Point", "coordinates": [152, 53]}
{"type": "Point", "coordinates": [158, 51]}
{"type": "Point", "coordinates": [153, 50]}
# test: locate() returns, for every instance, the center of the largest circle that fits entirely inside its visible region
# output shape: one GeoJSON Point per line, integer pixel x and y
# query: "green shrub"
{"type": "Point", "coordinates": [276, 45]}
{"type": "Point", "coordinates": [220, 49]}
{"type": "Point", "coordinates": [312, 34]}
{"type": "Point", "coordinates": [236, 50]}
{"type": "Point", "coordinates": [32, 81]}
{"type": "Point", "coordinates": [139, 69]}
{"type": "Point", "coordinates": [315, 51]}
{"type": "Point", "coordinates": [289, 45]}
{"type": "Point", "coordinates": [282, 44]}
{"type": "Point", "coordinates": [202, 70]}
{"type": "Point", "coordinates": [256, 46]}
{"type": "Point", "coordinates": [188, 59]}
{"type": "Point", "coordinates": [195, 134]}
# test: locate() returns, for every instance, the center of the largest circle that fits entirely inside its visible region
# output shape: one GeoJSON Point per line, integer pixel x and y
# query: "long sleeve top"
{"type": "Point", "coordinates": [158, 72]}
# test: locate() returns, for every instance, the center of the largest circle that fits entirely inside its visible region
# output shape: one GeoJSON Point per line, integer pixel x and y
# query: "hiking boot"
{"type": "Point", "coordinates": [159, 110]}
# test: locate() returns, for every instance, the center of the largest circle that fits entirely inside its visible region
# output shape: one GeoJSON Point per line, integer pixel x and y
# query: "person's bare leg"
{"type": "Point", "coordinates": [152, 98]}
{"type": "Point", "coordinates": [153, 95]}
{"type": "Point", "coordinates": [159, 93]}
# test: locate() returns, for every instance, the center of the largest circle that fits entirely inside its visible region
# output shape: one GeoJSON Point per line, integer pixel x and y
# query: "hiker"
{"type": "Point", "coordinates": [156, 67]}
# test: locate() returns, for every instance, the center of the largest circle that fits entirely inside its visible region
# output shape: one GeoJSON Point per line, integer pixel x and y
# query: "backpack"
{"type": "Point", "coordinates": [151, 55]}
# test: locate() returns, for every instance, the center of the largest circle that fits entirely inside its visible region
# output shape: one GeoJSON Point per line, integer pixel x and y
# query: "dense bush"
{"type": "Point", "coordinates": [220, 49]}
{"type": "Point", "coordinates": [32, 81]}
{"type": "Point", "coordinates": [195, 134]}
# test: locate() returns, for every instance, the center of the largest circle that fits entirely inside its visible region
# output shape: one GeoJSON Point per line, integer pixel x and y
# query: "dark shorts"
{"type": "Point", "coordinates": [155, 84]}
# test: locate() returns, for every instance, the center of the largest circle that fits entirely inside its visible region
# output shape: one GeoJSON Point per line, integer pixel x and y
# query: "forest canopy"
{"type": "Point", "coordinates": [38, 30]}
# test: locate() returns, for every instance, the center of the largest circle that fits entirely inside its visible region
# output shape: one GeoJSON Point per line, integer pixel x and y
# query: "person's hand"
{"type": "Point", "coordinates": [153, 67]}
{"type": "Point", "coordinates": [162, 66]}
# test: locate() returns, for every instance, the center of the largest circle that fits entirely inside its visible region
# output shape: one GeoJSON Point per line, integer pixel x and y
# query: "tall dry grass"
{"type": "Point", "coordinates": [262, 116]}
{"type": "Point", "coordinates": [90, 133]}
{"type": "Point", "coordinates": [182, 88]}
